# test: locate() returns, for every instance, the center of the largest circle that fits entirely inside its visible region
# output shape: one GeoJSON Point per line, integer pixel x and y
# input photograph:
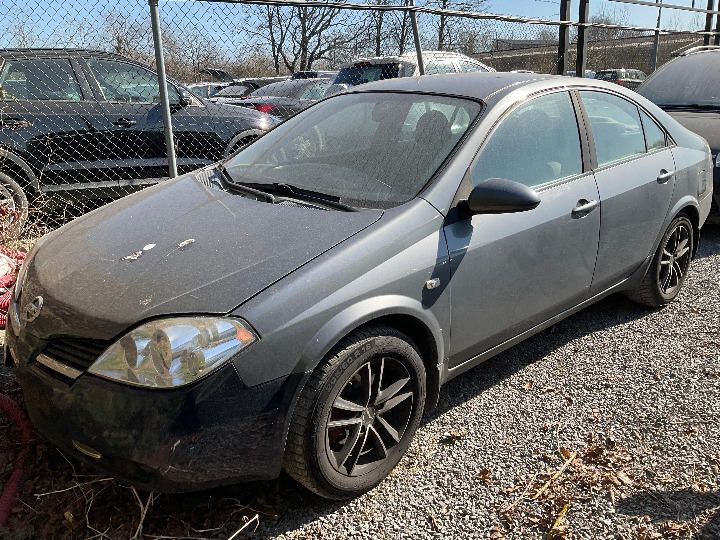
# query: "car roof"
{"type": "Point", "coordinates": [42, 53]}
{"type": "Point", "coordinates": [472, 85]}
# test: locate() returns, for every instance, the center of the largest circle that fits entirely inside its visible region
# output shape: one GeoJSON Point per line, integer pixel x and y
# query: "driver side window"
{"type": "Point", "coordinates": [536, 144]}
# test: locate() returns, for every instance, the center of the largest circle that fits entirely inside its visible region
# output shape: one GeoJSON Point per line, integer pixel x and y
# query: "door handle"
{"type": "Point", "coordinates": [124, 122]}
{"type": "Point", "coordinates": [583, 208]}
{"type": "Point", "coordinates": [665, 176]}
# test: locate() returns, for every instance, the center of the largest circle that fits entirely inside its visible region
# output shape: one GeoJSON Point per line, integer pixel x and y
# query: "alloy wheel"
{"type": "Point", "coordinates": [675, 259]}
{"type": "Point", "coordinates": [369, 416]}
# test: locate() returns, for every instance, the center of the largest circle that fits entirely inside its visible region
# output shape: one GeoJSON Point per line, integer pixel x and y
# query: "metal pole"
{"type": "Point", "coordinates": [581, 59]}
{"type": "Point", "coordinates": [656, 40]}
{"type": "Point", "coordinates": [162, 82]}
{"type": "Point", "coordinates": [564, 38]}
{"type": "Point", "coordinates": [416, 38]}
{"type": "Point", "coordinates": [716, 37]}
{"type": "Point", "coordinates": [708, 22]}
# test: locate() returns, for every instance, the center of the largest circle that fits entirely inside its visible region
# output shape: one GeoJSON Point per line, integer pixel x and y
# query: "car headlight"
{"type": "Point", "coordinates": [22, 273]}
{"type": "Point", "coordinates": [716, 159]}
{"type": "Point", "coordinates": [167, 353]}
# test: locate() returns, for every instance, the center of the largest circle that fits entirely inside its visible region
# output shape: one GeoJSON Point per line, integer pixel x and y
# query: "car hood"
{"type": "Point", "coordinates": [179, 247]}
{"type": "Point", "coordinates": [705, 123]}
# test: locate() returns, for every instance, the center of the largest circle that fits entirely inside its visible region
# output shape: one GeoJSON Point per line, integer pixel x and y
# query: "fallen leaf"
{"type": "Point", "coordinates": [148, 247]}
{"type": "Point", "coordinates": [451, 437]}
{"type": "Point", "coordinates": [528, 385]}
{"type": "Point", "coordinates": [497, 533]}
{"type": "Point", "coordinates": [185, 243]}
{"type": "Point", "coordinates": [133, 256]}
{"type": "Point", "coordinates": [485, 476]}
{"type": "Point", "coordinates": [565, 453]}
{"type": "Point", "coordinates": [624, 478]}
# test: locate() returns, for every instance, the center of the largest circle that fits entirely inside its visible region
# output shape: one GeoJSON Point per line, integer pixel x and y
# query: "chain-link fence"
{"type": "Point", "coordinates": [82, 118]}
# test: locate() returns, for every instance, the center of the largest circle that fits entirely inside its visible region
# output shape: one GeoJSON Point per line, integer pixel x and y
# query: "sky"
{"type": "Point", "coordinates": [644, 16]}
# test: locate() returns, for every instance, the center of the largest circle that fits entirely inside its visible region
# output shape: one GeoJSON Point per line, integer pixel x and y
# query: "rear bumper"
{"type": "Point", "coordinates": [217, 431]}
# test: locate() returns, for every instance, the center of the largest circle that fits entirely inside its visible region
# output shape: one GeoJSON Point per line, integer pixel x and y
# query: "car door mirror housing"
{"type": "Point", "coordinates": [500, 196]}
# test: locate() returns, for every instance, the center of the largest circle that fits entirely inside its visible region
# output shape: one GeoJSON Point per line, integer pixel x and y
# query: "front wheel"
{"type": "Point", "coordinates": [357, 414]}
{"type": "Point", "coordinates": [669, 267]}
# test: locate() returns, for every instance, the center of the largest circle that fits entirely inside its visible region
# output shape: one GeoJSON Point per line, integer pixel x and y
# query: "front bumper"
{"type": "Point", "coordinates": [213, 432]}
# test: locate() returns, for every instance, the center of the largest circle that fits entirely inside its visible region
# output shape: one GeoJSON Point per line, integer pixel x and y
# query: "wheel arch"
{"type": "Point", "coordinates": [13, 162]}
{"type": "Point", "coordinates": [689, 207]}
{"type": "Point", "coordinates": [238, 137]}
{"type": "Point", "coordinates": [401, 313]}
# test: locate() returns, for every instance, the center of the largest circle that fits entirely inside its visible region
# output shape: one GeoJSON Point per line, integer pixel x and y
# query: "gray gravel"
{"type": "Point", "coordinates": [643, 386]}
{"type": "Point", "coordinates": [628, 399]}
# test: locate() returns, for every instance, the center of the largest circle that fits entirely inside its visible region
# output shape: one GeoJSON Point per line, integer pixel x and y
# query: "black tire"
{"type": "Point", "coordinates": [13, 208]}
{"type": "Point", "coordinates": [666, 275]}
{"type": "Point", "coordinates": [315, 443]}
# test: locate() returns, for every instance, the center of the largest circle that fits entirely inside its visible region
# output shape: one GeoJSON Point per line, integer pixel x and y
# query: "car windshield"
{"type": "Point", "coordinates": [689, 81]}
{"type": "Point", "coordinates": [365, 72]}
{"type": "Point", "coordinates": [371, 150]}
{"type": "Point", "coordinates": [234, 90]}
{"type": "Point", "coordinates": [292, 89]}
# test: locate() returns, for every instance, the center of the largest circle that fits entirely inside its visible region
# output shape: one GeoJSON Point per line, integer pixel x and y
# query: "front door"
{"type": "Point", "coordinates": [635, 177]}
{"type": "Point", "coordinates": [511, 272]}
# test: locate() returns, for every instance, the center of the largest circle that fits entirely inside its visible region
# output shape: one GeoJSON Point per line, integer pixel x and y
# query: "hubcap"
{"type": "Point", "coordinates": [674, 260]}
{"type": "Point", "coordinates": [369, 416]}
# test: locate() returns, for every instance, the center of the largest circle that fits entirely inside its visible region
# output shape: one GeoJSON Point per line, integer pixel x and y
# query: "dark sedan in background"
{"type": "Point", "coordinates": [286, 98]}
{"type": "Point", "coordinates": [299, 306]}
{"type": "Point", "coordinates": [688, 89]}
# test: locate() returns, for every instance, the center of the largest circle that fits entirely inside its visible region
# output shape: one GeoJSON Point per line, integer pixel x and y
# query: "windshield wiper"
{"type": "Point", "coordinates": [245, 187]}
{"type": "Point", "coordinates": [300, 193]}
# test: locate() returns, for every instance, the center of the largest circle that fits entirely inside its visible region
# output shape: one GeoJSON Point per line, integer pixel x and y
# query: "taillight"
{"type": "Point", "coordinates": [621, 82]}
{"type": "Point", "coordinates": [264, 107]}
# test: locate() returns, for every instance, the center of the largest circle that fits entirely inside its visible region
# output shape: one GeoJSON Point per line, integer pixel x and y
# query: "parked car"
{"type": "Point", "coordinates": [687, 89]}
{"type": "Point", "coordinates": [88, 122]}
{"type": "Point", "coordinates": [300, 304]}
{"type": "Point", "coordinates": [314, 75]}
{"type": "Point", "coordinates": [284, 99]}
{"type": "Point", "coordinates": [206, 89]}
{"type": "Point", "coordinates": [589, 74]}
{"type": "Point", "coordinates": [367, 70]}
{"type": "Point", "coordinates": [629, 78]}
{"type": "Point", "coordinates": [241, 88]}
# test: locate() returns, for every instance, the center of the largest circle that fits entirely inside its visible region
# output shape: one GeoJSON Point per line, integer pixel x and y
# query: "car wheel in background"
{"type": "Point", "coordinates": [13, 208]}
{"type": "Point", "coordinates": [357, 414]}
{"type": "Point", "coordinates": [669, 267]}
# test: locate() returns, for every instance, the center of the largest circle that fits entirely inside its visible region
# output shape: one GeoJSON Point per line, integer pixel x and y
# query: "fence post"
{"type": "Point", "coordinates": [708, 22]}
{"type": "Point", "coordinates": [656, 39]}
{"type": "Point", "coordinates": [162, 82]}
{"type": "Point", "coordinates": [563, 38]}
{"type": "Point", "coordinates": [581, 58]}
{"type": "Point", "coordinates": [716, 37]}
{"type": "Point", "coordinates": [416, 38]}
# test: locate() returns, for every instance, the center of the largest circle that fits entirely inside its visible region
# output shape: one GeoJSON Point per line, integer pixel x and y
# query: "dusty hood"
{"type": "Point", "coordinates": [179, 247]}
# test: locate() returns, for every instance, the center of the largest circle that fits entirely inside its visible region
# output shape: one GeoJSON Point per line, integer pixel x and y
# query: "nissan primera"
{"type": "Point", "coordinates": [299, 305]}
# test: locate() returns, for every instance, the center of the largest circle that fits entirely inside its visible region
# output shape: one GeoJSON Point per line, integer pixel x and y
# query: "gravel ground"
{"type": "Point", "coordinates": [604, 426]}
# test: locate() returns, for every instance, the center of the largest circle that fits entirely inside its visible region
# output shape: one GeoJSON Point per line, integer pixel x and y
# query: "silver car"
{"type": "Point", "coordinates": [300, 305]}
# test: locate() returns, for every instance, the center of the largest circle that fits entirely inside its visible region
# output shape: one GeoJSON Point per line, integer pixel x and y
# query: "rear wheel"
{"type": "Point", "coordinates": [13, 208]}
{"type": "Point", "coordinates": [357, 414]}
{"type": "Point", "coordinates": [669, 267]}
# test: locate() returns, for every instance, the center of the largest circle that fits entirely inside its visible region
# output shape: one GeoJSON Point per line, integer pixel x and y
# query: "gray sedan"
{"type": "Point", "coordinates": [299, 305]}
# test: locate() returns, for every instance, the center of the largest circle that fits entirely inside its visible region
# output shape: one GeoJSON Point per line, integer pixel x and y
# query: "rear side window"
{"type": "Point", "coordinates": [316, 91]}
{"type": "Point", "coordinates": [45, 79]}
{"type": "Point", "coordinates": [538, 143]}
{"type": "Point", "coordinates": [654, 136]}
{"type": "Point", "coordinates": [615, 124]}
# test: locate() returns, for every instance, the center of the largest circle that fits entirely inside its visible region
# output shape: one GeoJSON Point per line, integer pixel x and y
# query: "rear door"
{"type": "Point", "coordinates": [634, 171]}
{"type": "Point", "coordinates": [511, 272]}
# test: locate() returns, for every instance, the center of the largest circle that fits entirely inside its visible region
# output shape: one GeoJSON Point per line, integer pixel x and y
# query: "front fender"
{"type": "Point", "coordinates": [362, 313]}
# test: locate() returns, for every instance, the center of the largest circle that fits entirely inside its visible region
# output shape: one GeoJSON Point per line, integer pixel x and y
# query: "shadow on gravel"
{"type": "Point", "coordinates": [678, 506]}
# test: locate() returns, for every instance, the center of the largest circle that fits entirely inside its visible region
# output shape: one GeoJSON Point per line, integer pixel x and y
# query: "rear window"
{"type": "Point", "coordinates": [236, 90]}
{"type": "Point", "coordinates": [606, 75]}
{"type": "Point", "coordinates": [365, 72]}
{"type": "Point", "coordinates": [690, 80]}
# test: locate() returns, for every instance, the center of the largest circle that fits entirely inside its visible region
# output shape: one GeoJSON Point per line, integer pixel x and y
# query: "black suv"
{"type": "Point", "coordinates": [83, 122]}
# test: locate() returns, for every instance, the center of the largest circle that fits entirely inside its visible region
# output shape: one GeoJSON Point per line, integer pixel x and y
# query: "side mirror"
{"type": "Point", "coordinates": [500, 196]}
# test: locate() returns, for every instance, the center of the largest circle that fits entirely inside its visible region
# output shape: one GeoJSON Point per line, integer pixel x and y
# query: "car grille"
{"type": "Point", "coordinates": [77, 353]}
